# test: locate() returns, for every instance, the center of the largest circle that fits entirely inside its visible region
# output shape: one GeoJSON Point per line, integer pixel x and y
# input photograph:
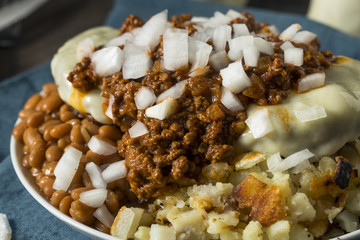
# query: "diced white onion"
{"type": "Point", "coordinates": [286, 45]}
{"type": "Point", "coordinates": [107, 61]}
{"type": "Point", "coordinates": [304, 37]}
{"type": "Point", "coordinates": [310, 114]}
{"type": "Point", "coordinates": [84, 48]}
{"type": "Point", "coordinates": [273, 161]}
{"type": "Point", "coordinates": [66, 168]}
{"type": "Point", "coordinates": [144, 97]}
{"type": "Point", "coordinates": [311, 81]}
{"type": "Point", "coordinates": [219, 60]}
{"type": "Point", "coordinates": [240, 29]}
{"type": "Point", "coordinates": [290, 32]}
{"type": "Point", "coordinates": [230, 100]}
{"type": "Point", "coordinates": [291, 161]}
{"type": "Point", "coordinates": [301, 167]}
{"type": "Point", "coordinates": [138, 129]}
{"type": "Point", "coordinates": [263, 46]}
{"type": "Point", "coordinates": [149, 34]}
{"type": "Point", "coordinates": [199, 53]}
{"type": "Point", "coordinates": [259, 123]}
{"type": "Point", "coordinates": [175, 48]}
{"type": "Point", "coordinates": [175, 91]}
{"type": "Point", "coordinates": [94, 198]}
{"type": "Point", "coordinates": [114, 171]}
{"type": "Point", "coordinates": [197, 19]}
{"type": "Point", "coordinates": [137, 61]}
{"type": "Point", "coordinates": [251, 56]}
{"type": "Point", "coordinates": [120, 40]}
{"type": "Point", "coordinates": [104, 216]}
{"type": "Point", "coordinates": [274, 30]}
{"type": "Point", "coordinates": [101, 147]}
{"type": "Point", "coordinates": [199, 71]}
{"type": "Point", "coordinates": [236, 46]}
{"type": "Point", "coordinates": [94, 172]}
{"type": "Point", "coordinates": [222, 34]}
{"type": "Point", "coordinates": [232, 14]}
{"type": "Point", "coordinates": [201, 36]}
{"type": "Point", "coordinates": [109, 111]}
{"type": "Point", "coordinates": [163, 109]}
{"type": "Point", "coordinates": [234, 77]}
{"type": "Point", "coordinates": [217, 20]}
{"type": "Point", "coordinates": [5, 229]}
{"type": "Point", "coordinates": [294, 56]}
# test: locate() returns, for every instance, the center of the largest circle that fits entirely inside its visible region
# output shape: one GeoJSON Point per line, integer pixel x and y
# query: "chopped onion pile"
{"type": "Point", "coordinates": [310, 114]}
{"type": "Point", "coordinates": [163, 109]}
{"type": "Point", "coordinates": [104, 216]}
{"type": "Point", "coordinates": [230, 100]}
{"type": "Point", "coordinates": [84, 48]}
{"type": "Point", "coordinates": [114, 171]}
{"type": "Point", "coordinates": [107, 61]}
{"type": "Point", "coordinates": [276, 164]}
{"type": "Point", "coordinates": [259, 123]}
{"type": "Point", "coordinates": [101, 147]}
{"type": "Point", "coordinates": [94, 172]}
{"type": "Point", "coordinates": [294, 56]}
{"type": "Point", "coordinates": [311, 81]}
{"type": "Point", "coordinates": [138, 129]}
{"type": "Point", "coordinates": [94, 198]}
{"type": "Point", "coordinates": [66, 168]}
{"type": "Point", "coordinates": [145, 97]}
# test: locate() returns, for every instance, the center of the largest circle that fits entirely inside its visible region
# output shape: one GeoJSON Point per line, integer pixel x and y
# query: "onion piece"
{"type": "Point", "coordinates": [230, 100]}
{"type": "Point", "coordinates": [310, 114]}
{"type": "Point", "coordinates": [221, 35]}
{"type": "Point", "coordinates": [202, 36]}
{"type": "Point", "coordinates": [236, 46]}
{"type": "Point", "coordinates": [107, 61]}
{"type": "Point", "coordinates": [273, 161]}
{"type": "Point", "coordinates": [163, 109]}
{"type": "Point", "coordinates": [144, 97]}
{"type": "Point", "coordinates": [109, 111]}
{"type": "Point", "coordinates": [274, 30]}
{"type": "Point", "coordinates": [292, 161]}
{"type": "Point", "coordinates": [175, 91]}
{"type": "Point", "coordinates": [66, 168]}
{"type": "Point", "coordinates": [84, 48]}
{"type": "Point", "coordinates": [94, 198]}
{"type": "Point", "coordinates": [219, 60]}
{"type": "Point", "coordinates": [94, 172]}
{"type": "Point", "coordinates": [304, 37]}
{"type": "Point", "coordinates": [301, 167]}
{"type": "Point", "coordinates": [197, 19]}
{"type": "Point", "coordinates": [263, 46]}
{"type": "Point", "coordinates": [138, 129]}
{"type": "Point", "coordinates": [290, 32]}
{"type": "Point", "coordinates": [104, 216]}
{"type": "Point", "coordinates": [175, 48]}
{"type": "Point", "coordinates": [217, 20]}
{"type": "Point", "coordinates": [120, 40]}
{"type": "Point", "coordinates": [240, 29]}
{"type": "Point", "coordinates": [101, 147]}
{"type": "Point", "coordinates": [232, 14]}
{"type": "Point", "coordinates": [149, 34]}
{"type": "Point", "coordinates": [199, 53]}
{"type": "Point", "coordinates": [199, 71]}
{"type": "Point", "coordinates": [259, 123]}
{"type": "Point", "coordinates": [234, 77]}
{"type": "Point", "coordinates": [294, 56]}
{"type": "Point", "coordinates": [311, 81]}
{"type": "Point", "coordinates": [251, 56]}
{"type": "Point", "coordinates": [286, 45]}
{"type": "Point", "coordinates": [115, 171]}
{"type": "Point", "coordinates": [137, 61]}
{"type": "Point", "coordinates": [5, 229]}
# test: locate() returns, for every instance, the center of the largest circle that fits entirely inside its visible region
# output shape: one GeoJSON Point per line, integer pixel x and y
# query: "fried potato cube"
{"type": "Point", "coordinates": [143, 233]}
{"type": "Point", "coordinates": [253, 231]}
{"type": "Point", "coordinates": [348, 221]}
{"type": "Point", "coordinates": [220, 222]}
{"type": "Point", "coordinates": [161, 232]}
{"type": "Point", "coordinates": [126, 222]}
{"type": "Point", "coordinates": [279, 230]}
{"type": "Point", "coordinates": [249, 160]}
{"type": "Point", "coordinates": [186, 220]}
{"type": "Point", "coordinates": [301, 208]}
{"type": "Point", "coordinates": [298, 232]}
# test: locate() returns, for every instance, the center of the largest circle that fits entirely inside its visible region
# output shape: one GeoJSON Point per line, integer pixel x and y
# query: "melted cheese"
{"type": "Point", "coordinates": [63, 63]}
{"type": "Point", "coordinates": [340, 98]}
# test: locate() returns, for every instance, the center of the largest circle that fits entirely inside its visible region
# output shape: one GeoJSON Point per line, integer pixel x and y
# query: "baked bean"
{"type": "Point", "coordinates": [25, 113]}
{"type": "Point", "coordinates": [49, 88]}
{"type": "Point", "coordinates": [37, 154]}
{"type": "Point", "coordinates": [46, 184]}
{"type": "Point", "coordinates": [48, 168]}
{"type": "Point", "coordinates": [74, 121]}
{"type": "Point", "coordinates": [32, 101]}
{"type": "Point", "coordinates": [18, 131]}
{"type": "Point", "coordinates": [92, 157]}
{"type": "Point", "coordinates": [112, 202]}
{"type": "Point", "coordinates": [50, 103]}
{"type": "Point", "coordinates": [53, 153]}
{"type": "Point", "coordinates": [101, 227]}
{"type": "Point", "coordinates": [75, 193]}
{"type": "Point", "coordinates": [77, 177]}
{"type": "Point", "coordinates": [64, 108]}
{"type": "Point", "coordinates": [85, 134]}
{"type": "Point", "coordinates": [38, 177]}
{"type": "Point", "coordinates": [25, 161]}
{"type": "Point", "coordinates": [92, 128]}
{"type": "Point", "coordinates": [79, 147]}
{"type": "Point", "coordinates": [47, 134]}
{"type": "Point", "coordinates": [65, 204]}
{"type": "Point", "coordinates": [64, 142]}
{"type": "Point", "coordinates": [86, 179]}
{"type": "Point", "coordinates": [57, 197]}
{"type": "Point", "coordinates": [60, 130]}
{"type": "Point", "coordinates": [31, 136]}
{"type": "Point", "coordinates": [66, 116]}
{"type": "Point", "coordinates": [82, 213]}
{"type": "Point", "coordinates": [35, 119]}
{"type": "Point", "coordinates": [111, 132]}
{"type": "Point", "coordinates": [47, 124]}
{"type": "Point", "coordinates": [35, 171]}
{"type": "Point", "coordinates": [75, 186]}
{"type": "Point", "coordinates": [75, 135]}
{"type": "Point", "coordinates": [26, 149]}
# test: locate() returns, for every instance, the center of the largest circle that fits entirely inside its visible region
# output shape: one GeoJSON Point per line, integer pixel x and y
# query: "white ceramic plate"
{"type": "Point", "coordinates": [28, 181]}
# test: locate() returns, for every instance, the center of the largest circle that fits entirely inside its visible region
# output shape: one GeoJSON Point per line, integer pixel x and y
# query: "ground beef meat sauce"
{"type": "Point", "coordinates": [203, 130]}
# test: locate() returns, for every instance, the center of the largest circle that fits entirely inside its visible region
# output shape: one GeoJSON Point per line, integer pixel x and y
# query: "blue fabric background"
{"type": "Point", "coordinates": [27, 218]}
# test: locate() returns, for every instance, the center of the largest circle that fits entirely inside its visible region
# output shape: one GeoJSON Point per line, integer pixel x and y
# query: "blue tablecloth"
{"type": "Point", "coordinates": [27, 218]}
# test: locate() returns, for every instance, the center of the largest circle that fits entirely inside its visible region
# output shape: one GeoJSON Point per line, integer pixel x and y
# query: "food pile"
{"type": "Point", "coordinates": [146, 127]}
